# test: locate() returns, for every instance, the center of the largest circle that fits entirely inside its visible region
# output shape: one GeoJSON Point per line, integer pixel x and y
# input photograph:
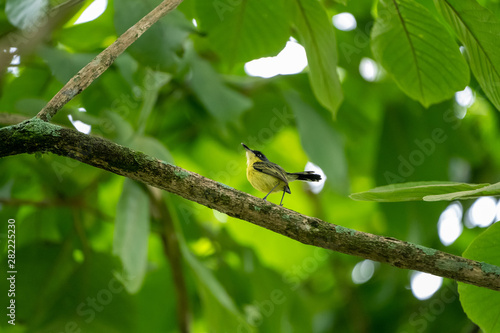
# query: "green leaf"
{"type": "Point", "coordinates": [30, 105]}
{"type": "Point", "coordinates": [463, 194]}
{"type": "Point", "coordinates": [153, 147]}
{"type": "Point", "coordinates": [52, 278]}
{"type": "Point", "coordinates": [93, 279]}
{"type": "Point", "coordinates": [89, 36]}
{"type": "Point", "coordinates": [222, 102]}
{"type": "Point", "coordinates": [222, 313]}
{"type": "Point", "coordinates": [243, 30]}
{"type": "Point", "coordinates": [418, 52]}
{"type": "Point", "coordinates": [479, 30]}
{"type": "Point", "coordinates": [64, 65]}
{"type": "Point", "coordinates": [130, 241]}
{"type": "Point", "coordinates": [321, 141]}
{"type": "Point", "coordinates": [220, 310]}
{"type": "Point", "coordinates": [30, 84]}
{"type": "Point", "coordinates": [160, 315]}
{"type": "Point", "coordinates": [25, 14]}
{"type": "Point", "coordinates": [318, 37]}
{"type": "Point", "coordinates": [412, 191]}
{"type": "Point", "coordinates": [43, 281]}
{"type": "Point", "coordinates": [482, 305]}
{"type": "Point", "coordinates": [159, 45]}
{"type": "Point", "coordinates": [153, 82]}
{"type": "Point", "coordinates": [117, 127]}
{"type": "Point", "coordinates": [209, 282]}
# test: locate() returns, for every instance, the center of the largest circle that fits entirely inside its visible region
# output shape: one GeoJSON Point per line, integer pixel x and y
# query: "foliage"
{"type": "Point", "coordinates": [479, 304]}
{"type": "Point", "coordinates": [90, 250]}
{"type": "Point", "coordinates": [404, 38]}
{"type": "Point", "coordinates": [427, 191]}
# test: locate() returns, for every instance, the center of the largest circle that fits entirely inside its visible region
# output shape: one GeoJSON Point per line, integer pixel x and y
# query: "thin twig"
{"type": "Point", "coordinates": [37, 136]}
{"type": "Point", "coordinates": [103, 60]}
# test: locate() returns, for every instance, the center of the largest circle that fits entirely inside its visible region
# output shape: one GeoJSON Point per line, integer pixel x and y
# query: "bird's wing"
{"type": "Point", "coordinates": [271, 169]}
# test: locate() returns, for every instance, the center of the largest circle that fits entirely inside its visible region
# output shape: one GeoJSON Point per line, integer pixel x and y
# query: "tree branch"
{"type": "Point", "coordinates": [35, 135]}
{"type": "Point", "coordinates": [103, 60]}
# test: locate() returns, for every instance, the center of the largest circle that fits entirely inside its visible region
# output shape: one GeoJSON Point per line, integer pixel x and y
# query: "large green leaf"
{"type": "Point", "coordinates": [29, 84]}
{"type": "Point", "coordinates": [413, 191]}
{"type": "Point", "coordinates": [158, 46]}
{"type": "Point", "coordinates": [222, 102]}
{"type": "Point", "coordinates": [318, 38]}
{"type": "Point", "coordinates": [131, 234]}
{"type": "Point", "coordinates": [24, 14]}
{"type": "Point", "coordinates": [321, 142]}
{"type": "Point", "coordinates": [63, 64]}
{"type": "Point", "coordinates": [482, 305]}
{"type": "Point", "coordinates": [92, 299]}
{"type": "Point", "coordinates": [91, 291]}
{"type": "Point", "coordinates": [418, 52]}
{"type": "Point", "coordinates": [153, 82]}
{"type": "Point", "coordinates": [153, 147]}
{"type": "Point", "coordinates": [243, 30]}
{"type": "Point", "coordinates": [89, 36]}
{"type": "Point", "coordinates": [464, 194]}
{"type": "Point", "coordinates": [222, 314]}
{"type": "Point", "coordinates": [479, 30]}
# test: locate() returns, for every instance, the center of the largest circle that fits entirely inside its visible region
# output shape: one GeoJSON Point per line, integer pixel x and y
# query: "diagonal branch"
{"type": "Point", "coordinates": [35, 135]}
{"type": "Point", "coordinates": [103, 60]}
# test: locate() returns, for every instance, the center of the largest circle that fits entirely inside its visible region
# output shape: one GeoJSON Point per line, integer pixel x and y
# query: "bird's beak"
{"type": "Point", "coordinates": [250, 153]}
{"type": "Point", "coordinates": [245, 146]}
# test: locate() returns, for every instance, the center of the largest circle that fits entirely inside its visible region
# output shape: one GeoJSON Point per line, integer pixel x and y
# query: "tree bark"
{"type": "Point", "coordinates": [37, 136]}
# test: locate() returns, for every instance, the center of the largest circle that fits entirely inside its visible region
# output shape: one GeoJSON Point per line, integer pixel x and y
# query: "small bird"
{"type": "Point", "coordinates": [269, 177]}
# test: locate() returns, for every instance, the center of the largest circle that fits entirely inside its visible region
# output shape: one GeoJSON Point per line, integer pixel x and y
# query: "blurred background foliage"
{"type": "Point", "coordinates": [99, 253]}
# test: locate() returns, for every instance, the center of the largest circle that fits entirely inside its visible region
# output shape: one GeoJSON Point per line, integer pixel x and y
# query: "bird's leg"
{"type": "Point", "coordinates": [271, 191]}
{"type": "Point", "coordinates": [281, 203]}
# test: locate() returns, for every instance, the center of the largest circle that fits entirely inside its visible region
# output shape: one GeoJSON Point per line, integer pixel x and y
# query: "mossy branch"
{"type": "Point", "coordinates": [37, 136]}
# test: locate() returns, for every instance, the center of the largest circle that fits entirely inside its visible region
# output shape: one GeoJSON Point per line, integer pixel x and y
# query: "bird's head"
{"type": "Point", "coordinates": [254, 155]}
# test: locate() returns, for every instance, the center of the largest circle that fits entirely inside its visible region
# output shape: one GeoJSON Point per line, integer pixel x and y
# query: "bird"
{"type": "Point", "coordinates": [269, 177]}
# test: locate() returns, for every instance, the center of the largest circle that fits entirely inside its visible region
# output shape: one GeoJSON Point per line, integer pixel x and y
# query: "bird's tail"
{"type": "Point", "coordinates": [308, 176]}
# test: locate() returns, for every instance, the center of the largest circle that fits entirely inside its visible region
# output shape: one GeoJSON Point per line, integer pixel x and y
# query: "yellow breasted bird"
{"type": "Point", "coordinates": [269, 177]}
